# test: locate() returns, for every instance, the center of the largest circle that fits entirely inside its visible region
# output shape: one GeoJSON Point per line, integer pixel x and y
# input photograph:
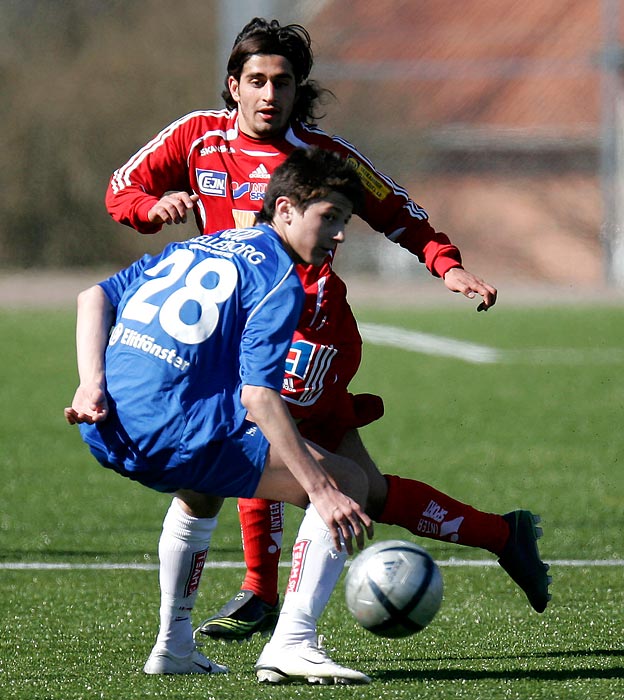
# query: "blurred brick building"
{"type": "Point", "coordinates": [489, 112]}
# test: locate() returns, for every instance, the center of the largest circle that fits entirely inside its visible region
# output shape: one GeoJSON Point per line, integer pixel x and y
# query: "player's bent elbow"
{"type": "Point", "coordinates": [257, 400]}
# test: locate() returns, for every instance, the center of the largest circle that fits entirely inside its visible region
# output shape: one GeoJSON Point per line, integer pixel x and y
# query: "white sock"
{"type": "Point", "coordinates": [182, 549]}
{"type": "Point", "coordinates": [316, 568]}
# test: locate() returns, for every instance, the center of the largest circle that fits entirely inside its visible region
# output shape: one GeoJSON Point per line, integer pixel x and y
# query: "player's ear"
{"type": "Point", "coordinates": [284, 209]}
{"type": "Point", "coordinates": [233, 88]}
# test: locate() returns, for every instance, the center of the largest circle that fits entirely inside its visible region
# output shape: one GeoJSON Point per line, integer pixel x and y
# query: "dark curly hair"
{"type": "Point", "coordinates": [309, 175]}
{"type": "Point", "coordinates": [262, 37]}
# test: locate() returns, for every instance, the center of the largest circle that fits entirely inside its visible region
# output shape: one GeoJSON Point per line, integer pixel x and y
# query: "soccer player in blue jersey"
{"type": "Point", "coordinates": [181, 361]}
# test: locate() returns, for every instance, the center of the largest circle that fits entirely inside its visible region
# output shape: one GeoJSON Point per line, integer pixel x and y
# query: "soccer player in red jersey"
{"type": "Point", "coordinates": [216, 164]}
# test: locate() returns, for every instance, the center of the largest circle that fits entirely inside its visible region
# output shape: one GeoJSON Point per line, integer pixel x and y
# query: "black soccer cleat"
{"type": "Point", "coordinates": [521, 558]}
{"type": "Point", "coordinates": [240, 618]}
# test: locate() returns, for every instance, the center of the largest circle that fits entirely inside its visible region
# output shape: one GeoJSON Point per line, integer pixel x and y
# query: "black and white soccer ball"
{"type": "Point", "coordinates": [393, 588]}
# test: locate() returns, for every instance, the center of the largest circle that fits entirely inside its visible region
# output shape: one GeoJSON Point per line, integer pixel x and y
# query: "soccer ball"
{"type": "Point", "coordinates": [393, 588]}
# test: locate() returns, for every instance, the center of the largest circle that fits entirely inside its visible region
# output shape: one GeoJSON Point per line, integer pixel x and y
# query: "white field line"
{"type": "Point", "coordinates": [428, 344]}
{"type": "Point", "coordinates": [145, 566]}
{"type": "Point", "coordinates": [440, 346]}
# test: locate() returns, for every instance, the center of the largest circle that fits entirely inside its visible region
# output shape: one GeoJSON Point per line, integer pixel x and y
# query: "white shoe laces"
{"type": "Point", "coordinates": [319, 650]}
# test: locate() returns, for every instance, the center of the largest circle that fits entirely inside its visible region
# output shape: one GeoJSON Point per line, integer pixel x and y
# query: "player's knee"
{"type": "Point", "coordinates": [355, 482]}
{"type": "Point", "coordinates": [199, 505]}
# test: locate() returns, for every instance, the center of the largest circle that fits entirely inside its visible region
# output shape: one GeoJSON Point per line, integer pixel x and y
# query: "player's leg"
{"type": "Point", "coordinates": [428, 512]}
{"type": "Point", "coordinates": [251, 611]}
{"type": "Point", "coordinates": [182, 550]}
{"type": "Point", "coordinates": [183, 545]}
{"type": "Point", "coordinates": [422, 509]}
{"type": "Point", "coordinates": [294, 651]}
{"type": "Point", "coordinates": [255, 607]}
{"type": "Point", "coordinates": [262, 529]}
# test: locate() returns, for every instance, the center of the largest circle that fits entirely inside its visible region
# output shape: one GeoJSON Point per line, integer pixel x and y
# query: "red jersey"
{"type": "Point", "coordinates": [204, 153]}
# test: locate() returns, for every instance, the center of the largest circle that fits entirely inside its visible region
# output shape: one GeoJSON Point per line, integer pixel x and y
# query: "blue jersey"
{"type": "Point", "coordinates": [193, 325]}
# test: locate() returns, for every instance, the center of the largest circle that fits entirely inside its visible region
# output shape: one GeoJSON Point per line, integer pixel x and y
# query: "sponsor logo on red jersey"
{"type": "Point", "coordinates": [371, 181]}
{"type": "Point", "coordinates": [211, 182]}
{"type": "Point", "coordinates": [308, 363]}
{"type": "Point", "coordinates": [260, 173]}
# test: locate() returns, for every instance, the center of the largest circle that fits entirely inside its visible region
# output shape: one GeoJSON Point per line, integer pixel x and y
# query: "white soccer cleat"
{"type": "Point", "coordinates": [163, 662]}
{"type": "Point", "coordinates": [306, 661]}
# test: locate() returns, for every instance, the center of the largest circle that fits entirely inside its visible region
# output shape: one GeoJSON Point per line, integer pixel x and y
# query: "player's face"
{"type": "Point", "coordinates": [312, 235]}
{"type": "Point", "coordinates": [265, 95]}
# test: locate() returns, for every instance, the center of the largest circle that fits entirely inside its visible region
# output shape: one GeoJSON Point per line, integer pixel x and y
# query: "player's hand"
{"type": "Point", "coordinates": [345, 518]}
{"type": "Point", "coordinates": [90, 405]}
{"type": "Point", "coordinates": [459, 280]}
{"type": "Point", "coordinates": [172, 208]}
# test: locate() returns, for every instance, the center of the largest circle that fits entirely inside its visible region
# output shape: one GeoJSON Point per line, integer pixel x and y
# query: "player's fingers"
{"type": "Point", "coordinates": [356, 524]}
{"type": "Point", "coordinates": [184, 203]}
{"type": "Point", "coordinates": [162, 214]}
{"type": "Point", "coordinates": [154, 215]}
{"type": "Point", "coordinates": [489, 298]}
{"type": "Point", "coordinates": [365, 529]}
{"type": "Point", "coordinates": [74, 417]}
{"type": "Point", "coordinates": [358, 533]}
{"type": "Point", "coordinates": [188, 205]}
{"type": "Point", "coordinates": [177, 211]}
{"type": "Point", "coordinates": [349, 526]}
{"type": "Point", "coordinates": [343, 531]}
{"type": "Point", "coordinates": [184, 198]}
{"type": "Point", "coordinates": [356, 530]}
{"type": "Point", "coordinates": [486, 291]}
{"type": "Point", "coordinates": [340, 538]}
{"type": "Point", "coordinates": [171, 209]}
{"type": "Point", "coordinates": [347, 539]}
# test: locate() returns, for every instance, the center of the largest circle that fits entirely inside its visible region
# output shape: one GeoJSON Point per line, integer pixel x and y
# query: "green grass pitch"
{"type": "Point", "coordinates": [541, 427]}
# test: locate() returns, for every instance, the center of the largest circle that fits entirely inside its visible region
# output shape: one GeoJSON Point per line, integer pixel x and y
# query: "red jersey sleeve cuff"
{"type": "Point", "coordinates": [443, 265]}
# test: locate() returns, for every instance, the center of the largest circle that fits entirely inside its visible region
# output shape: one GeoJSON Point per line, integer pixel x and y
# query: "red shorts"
{"type": "Point", "coordinates": [361, 410]}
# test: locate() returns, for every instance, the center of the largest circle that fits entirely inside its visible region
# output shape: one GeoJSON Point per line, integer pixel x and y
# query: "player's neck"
{"type": "Point", "coordinates": [282, 231]}
{"type": "Point", "coordinates": [276, 137]}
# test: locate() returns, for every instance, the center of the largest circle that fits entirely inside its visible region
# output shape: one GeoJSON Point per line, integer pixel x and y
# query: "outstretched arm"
{"type": "Point", "coordinates": [94, 319]}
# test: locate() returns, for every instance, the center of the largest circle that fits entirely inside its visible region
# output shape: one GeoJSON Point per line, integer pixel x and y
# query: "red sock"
{"type": "Point", "coordinates": [262, 527]}
{"type": "Point", "coordinates": [424, 511]}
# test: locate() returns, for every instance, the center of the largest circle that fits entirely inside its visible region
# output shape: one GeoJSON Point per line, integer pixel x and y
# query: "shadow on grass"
{"type": "Point", "coordinates": [543, 674]}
